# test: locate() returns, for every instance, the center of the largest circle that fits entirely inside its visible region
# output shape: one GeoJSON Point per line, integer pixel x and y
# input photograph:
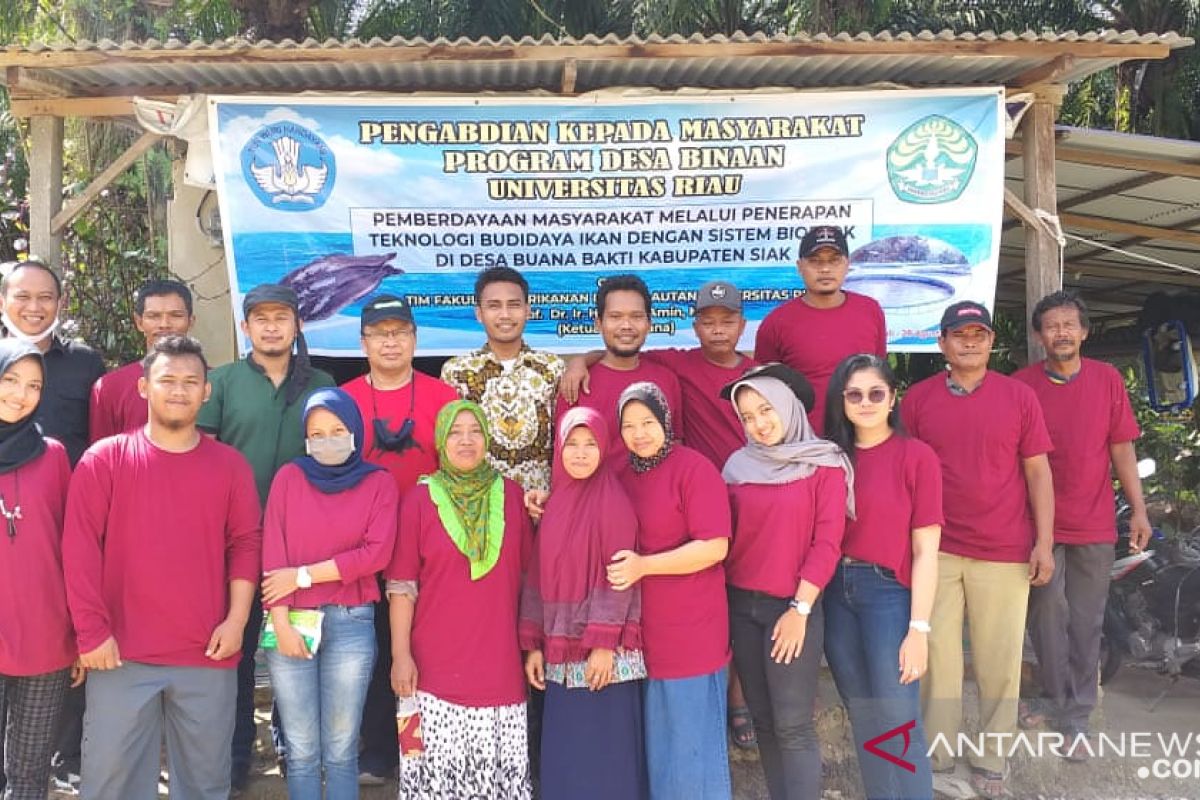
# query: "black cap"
{"type": "Point", "coordinates": [270, 293]}
{"type": "Point", "coordinates": [387, 306]}
{"type": "Point", "coordinates": [966, 312]}
{"type": "Point", "coordinates": [823, 236]}
{"type": "Point", "coordinates": [794, 380]}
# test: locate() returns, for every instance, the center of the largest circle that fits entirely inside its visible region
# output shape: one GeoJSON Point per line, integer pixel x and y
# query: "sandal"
{"type": "Point", "coordinates": [1030, 715]}
{"type": "Point", "coordinates": [988, 784]}
{"type": "Point", "coordinates": [741, 728]}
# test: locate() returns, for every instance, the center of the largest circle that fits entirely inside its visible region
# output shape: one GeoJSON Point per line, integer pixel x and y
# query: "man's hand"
{"type": "Point", "coordinates": [78, 674]}
{"type": "Point", "coordinates": [574, 380]}
{"type": "Point", "coordinates": [1139, 531]}
{"type": "Point", "coordinates": [106, 656]}
{"type": "Point", "coordinates": [404, 675]}
{"type": "Point", "coordinates": [1041, 565]}
{"type": "Point", "coordinates": [226, 640]}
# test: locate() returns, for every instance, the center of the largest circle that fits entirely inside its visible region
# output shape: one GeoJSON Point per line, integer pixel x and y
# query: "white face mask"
{"type": "Point", "coordinates": [16, 332]}
{"type": "Point", "coordinates": [332, 451]}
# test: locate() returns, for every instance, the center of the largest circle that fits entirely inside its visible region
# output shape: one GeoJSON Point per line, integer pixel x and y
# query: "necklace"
{"type": "Point", "coordinates": [12, 515]}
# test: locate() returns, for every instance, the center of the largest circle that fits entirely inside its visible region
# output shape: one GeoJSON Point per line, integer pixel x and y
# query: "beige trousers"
{"type": "Point", "coordinates": [992, 598]}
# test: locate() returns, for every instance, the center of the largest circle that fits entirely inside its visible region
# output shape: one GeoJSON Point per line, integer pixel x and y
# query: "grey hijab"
{"type": "Point", "coordinates": [797, 456]}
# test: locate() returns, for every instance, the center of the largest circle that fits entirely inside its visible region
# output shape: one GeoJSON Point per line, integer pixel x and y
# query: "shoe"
{"type": "Point", "coordinates": [367, 778]}
{"type": "Point", "coordinates": [1078, 745]}
{"type": "Point", "coordinates": [65, 776]}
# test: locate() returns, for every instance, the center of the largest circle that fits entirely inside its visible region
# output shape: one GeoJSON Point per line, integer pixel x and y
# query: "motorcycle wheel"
{"type": "Point", "coordinates": [1111, 659]}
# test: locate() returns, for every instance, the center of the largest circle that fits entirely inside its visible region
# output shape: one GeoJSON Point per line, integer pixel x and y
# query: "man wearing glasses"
{"type": "Point", "coordinates": [399, 406]}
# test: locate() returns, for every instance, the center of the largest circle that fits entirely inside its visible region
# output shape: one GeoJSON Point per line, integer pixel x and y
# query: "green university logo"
{"type": "Point", "coordinates": [931, 161]}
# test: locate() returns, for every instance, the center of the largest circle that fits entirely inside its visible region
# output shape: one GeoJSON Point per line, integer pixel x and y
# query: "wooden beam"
{"type": "Point", "coordinates": [75, 106]}
{"type": "Point", "coordinates": [20, 81]}
{"type": "Point", "coordinates": [84, 199]}
{"type": "Point", "coordinates": [45, 188]}
{"type": "Point", "coordinates": [569, 73]}
{"type": "Point", "coordinates": [1095, 158]}
{"type": "Point", "coordinates": [1130, 228]}
{"type": "Point", "coordinates": [1050, 72]}
{"type": "Point", "coordinates": [247, 54]}
{"type": "Point", "coordinates": [1041, 250]}
{"type": "Point", "coordinates": [1120, 187]}
{"type": "Point", "coordinates": [1018, 207]}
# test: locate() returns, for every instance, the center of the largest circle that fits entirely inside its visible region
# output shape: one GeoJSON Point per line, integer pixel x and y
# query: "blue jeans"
{"type": "Point", "coordinates": [321, 701]}
{"type": "Point", "coordinates": [866, 618]}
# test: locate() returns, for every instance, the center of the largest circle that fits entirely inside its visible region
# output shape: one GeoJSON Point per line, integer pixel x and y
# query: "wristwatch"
{"type": "Point", "coordinates": [800, 607]}
{"type": "Point", "coordinates": [303, 578]}
{"type": "Point", "coordinates": [920, 625]}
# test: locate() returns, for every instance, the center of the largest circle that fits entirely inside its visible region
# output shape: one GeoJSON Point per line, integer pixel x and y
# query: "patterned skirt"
{"type": "Point", "coordinates": [469, 753]}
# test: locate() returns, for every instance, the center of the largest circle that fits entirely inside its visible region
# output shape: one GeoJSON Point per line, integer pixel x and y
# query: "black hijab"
{"type": "Point", "coordinates": [20, 441]}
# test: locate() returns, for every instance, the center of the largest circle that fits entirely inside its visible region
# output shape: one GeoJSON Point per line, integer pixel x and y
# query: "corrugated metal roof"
{"type": "Point", "coordinates": [1108, 181]}
{"type": "Point", "coordinates": [720, 62]}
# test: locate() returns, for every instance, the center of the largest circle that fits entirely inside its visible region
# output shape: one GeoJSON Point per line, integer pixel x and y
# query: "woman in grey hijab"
{"type": "Point", "coordinates": [790, 493]}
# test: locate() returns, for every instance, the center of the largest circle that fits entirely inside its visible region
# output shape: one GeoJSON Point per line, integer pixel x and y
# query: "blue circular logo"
{"type": "Point", "coordinates": [288, 167]}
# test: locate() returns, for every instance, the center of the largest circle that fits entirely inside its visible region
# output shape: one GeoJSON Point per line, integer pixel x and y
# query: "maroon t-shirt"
{"type": "Point", "coordinates": [897, 488]}
{"type": "Point", "coordinates": [151, 542]}
{"type": "Point", "coordinates": [1085, 417]}
{"type": "Point", "coordinates": [710, 424]}
{"type": "Point", "coordinates": [35, 630]}
{"type": "Point", "coordinates": [685, 618]}
{"type": "Point", "coordinates": [116, 406]}
{"type": "Point", "coordinates": [464, 634]}
{"type": "Point", "coordinates": [355, 527]}
{"type": "Point", "coordinates": [981, 440]}
{"type": "Point", "coordinates": [394, 405]}
{"type": "Point", "coordinates": [605, 387]}
{"type": "Point", "coordinates": [787, 532]}
{"type": "Point", "coordinates": [813, 341]}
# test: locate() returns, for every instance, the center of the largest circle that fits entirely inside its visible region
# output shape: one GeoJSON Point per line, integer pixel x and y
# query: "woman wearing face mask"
{"type": "Point", "coordinates": [453, 585]}
{"type": "Point", "coordinates": [788, 491]}
{"type": "Point", "coordinates": [584, 638]}
{"type": "Point", "coordinates": [881, 596]}
{"type": "Point", "coordinates": [683, 535]}
{"type": "Point", "coordinates": [37, 644]}
{"type": "Point", "coordinates": [329, 527]}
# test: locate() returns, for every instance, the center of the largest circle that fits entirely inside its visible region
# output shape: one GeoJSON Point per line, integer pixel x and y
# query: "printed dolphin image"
{"type": "Point", "coordinates": [330, 283]}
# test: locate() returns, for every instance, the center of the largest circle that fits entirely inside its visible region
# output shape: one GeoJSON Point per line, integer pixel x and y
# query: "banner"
{"type": "Point", "coordinates": [347, 198]}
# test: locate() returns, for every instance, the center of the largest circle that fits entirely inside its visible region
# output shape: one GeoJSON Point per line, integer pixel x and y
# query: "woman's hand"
{"type": "Point", "coordinates": [404, 675]}
{"type": "Point", "coordinates": [535, 503]}
{"type": "Point", "coordinates": [278, 584]}
{"type": "Point", "coordinates": [788, 636]}
{"type": "Point", "coordinates": [914, 656]}
{"type": "Point", "coordinates": [599, 670]}
{"type": "Point", "coordinates": [289, 642]}
{"type": "Point", "coordinates": [626, 569]}
{"type": "Point", "coordinates": [535, 669]}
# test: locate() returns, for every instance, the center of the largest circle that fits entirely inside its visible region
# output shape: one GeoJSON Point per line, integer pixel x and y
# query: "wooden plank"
{"type": "Point", "coordinates": [1130, 228]}
{"type": "Point", "coordinates": [569, 73]}
{"type": "Point", "coordinates": [1050, 72]}
{"type": "Point", "coordinates": [84, 199]}
{"type": "Point", "coordinates": [45, 188]}
{"type": "Point", "coordinates": [1041, 250]}
{"type": "Point", "coordinates": [1095, 158]}
{"type": "Point", "coordinates": [75, 106]}
{"type": "Point", "coordinates": [1109, 51]}
{"type": "Point", "coordinates": [1018, 207]}
{"type": "Point", "coordinates": [20, 80]}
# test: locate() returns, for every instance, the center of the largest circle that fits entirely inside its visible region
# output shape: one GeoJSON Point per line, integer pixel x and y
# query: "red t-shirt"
{"type": "Point", "coordinates": [897, 488]}
{"type": "Point", "coordinates": [35, 632]}
{"type": "Point", "coordinates": [393, 405]}
{"type": "Point", "coordinates": [981, 440]}
{"type": "Point", "coordinates": [710, 424]}
{"type": "Point", "coordinates": [685, 618]}
{"type": "Point", "coordinates": [786, 532]}
{"type": "Point", "coordinates": [151, 542]}
{"type": "Point", "coordinates": [355, 527]}
{"type": "Point", "coordinates": [116, 406]}
{"type": "Point", "coordinates": [813, 341]}
{"type": "Point", "coordinates": [1085, 417]}
{"type": "Point", "coordinates": [605, 387]}
{"type": "Point", "coordinates": [464, 634]}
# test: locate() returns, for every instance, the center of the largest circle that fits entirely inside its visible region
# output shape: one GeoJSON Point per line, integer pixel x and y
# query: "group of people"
{"type": "Point", "coordinates": [569, 575]}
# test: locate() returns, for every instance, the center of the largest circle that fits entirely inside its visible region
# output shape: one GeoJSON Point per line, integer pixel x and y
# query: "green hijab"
{"type": "Point", "coordinates": [470, 504]}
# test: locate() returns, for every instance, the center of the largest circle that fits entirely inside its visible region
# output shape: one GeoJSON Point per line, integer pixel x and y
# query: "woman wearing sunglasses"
{"type": "Point", "coordinates": [878, 603]}
{"type": "Point", "coordinates": [37, 645]}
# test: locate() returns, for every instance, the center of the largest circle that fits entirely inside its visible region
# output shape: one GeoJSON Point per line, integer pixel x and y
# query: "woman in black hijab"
{"type": "Point", "coordinates": [37, 644]}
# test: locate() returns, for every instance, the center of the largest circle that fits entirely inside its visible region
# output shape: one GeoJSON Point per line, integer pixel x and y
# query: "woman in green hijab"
{"type": "Point", "coordinates": [453, 589]}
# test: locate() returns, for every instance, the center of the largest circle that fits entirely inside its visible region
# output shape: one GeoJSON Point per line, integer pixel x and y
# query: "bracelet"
{"type": "Point", "coordinates": [920, 625]}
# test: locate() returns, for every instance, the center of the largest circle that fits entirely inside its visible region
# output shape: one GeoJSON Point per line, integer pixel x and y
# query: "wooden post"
{"type": "Point", "coordinates": [1041, 250]}
{"type": "Point", "coordinates": [45, 188]}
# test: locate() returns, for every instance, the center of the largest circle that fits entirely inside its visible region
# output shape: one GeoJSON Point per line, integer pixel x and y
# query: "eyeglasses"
{"type": "Point", "coordinates": [875, 396]}
{"type": "Point", "coordinates": [395, 334]}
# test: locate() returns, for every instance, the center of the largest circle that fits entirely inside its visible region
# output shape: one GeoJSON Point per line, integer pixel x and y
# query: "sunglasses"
{"type": "Point", "coordinates": [874, 396]}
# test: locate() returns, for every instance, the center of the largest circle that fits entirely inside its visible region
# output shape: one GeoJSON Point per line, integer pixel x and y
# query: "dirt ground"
{"type": "Point", "coordinates": [1125, 716]}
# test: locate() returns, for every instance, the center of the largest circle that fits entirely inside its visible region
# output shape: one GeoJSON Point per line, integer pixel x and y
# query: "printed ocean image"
{"type": "Point", "coordinates": [914, 272]}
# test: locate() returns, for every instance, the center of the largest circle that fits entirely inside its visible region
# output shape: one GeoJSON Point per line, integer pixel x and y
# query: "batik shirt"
{"type": "Point", "coordinates": [518, 399]}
